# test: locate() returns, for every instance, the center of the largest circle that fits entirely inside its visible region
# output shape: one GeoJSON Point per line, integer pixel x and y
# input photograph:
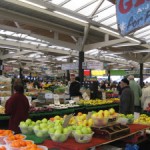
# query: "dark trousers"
{"type": "Point", "coordinates": [137, 109]}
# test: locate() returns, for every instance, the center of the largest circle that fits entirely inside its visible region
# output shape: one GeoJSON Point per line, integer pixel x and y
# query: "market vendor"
{"type": "Point", "coordinates": [17, 106]}
{"type": "Point", "coordinates": [126, 98]}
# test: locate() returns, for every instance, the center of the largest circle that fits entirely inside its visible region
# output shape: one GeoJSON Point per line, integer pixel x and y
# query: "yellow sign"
{"type": "Point", "coordinates": [98, 72]}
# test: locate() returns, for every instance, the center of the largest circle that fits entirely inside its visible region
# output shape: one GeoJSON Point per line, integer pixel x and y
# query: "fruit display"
{"type": "Point", "coordinates": [2, 110]}
{"type": "Point", "coordinates": [3, 148]}
{"type": "Point", "coordinates": [143, 119]}
{"type": "Point", "coordinates": [103, 117]}
{"type": "Point", "coordinates": [83, 134]}
{"type": "Point", "coordinates": [26, 127]}
{"type": "Point", "coordinates": [39, 109]}
{"type": "Point", "coordinates": [4, 134]}
{"type": "Point", "coordinates": [125, 119]}
{"type": "Point", "coordinates": [97, 101]}
{"type": "Point", "coordinates": [13, 137]}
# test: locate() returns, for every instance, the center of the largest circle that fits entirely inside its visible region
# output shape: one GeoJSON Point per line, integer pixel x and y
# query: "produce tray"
{"type": "Point", "coordinates": [37, 140]}
{"type": "Point", "coordinates": [112, 131]}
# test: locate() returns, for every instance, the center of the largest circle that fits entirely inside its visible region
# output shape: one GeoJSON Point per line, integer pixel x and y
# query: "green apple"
{"type": "Point", "coordinates": [39, 134]}
{"type": "Point", "coordinates": [84, 130]}
{"type": "Point", "coordinates": [36, 127]}
{"type": "Point", "coordinates": [43, 125]}
{"type": "Point", "coordinates": [66, 131]}
{"type": "Point", "coordinates": [58, 131]}
{"type": "Point", "coordinates": [62, 138]}
{"type": "Point", "coordinates": [28, 121]}
{"type": "Point", "coordinates": [78, 132]}
{"type": "Point", "coordinates": [44, 120]}
{"type": "Point", "coordinates": [51, 130]}
{"type": "Point", "coordinates": [89, 130]}
{"type": "Point", "coordinates": [38, 121]}
{"type": "Point", "coordinates": [23, 125]}
{"type": "Point", "coordinates": [79, 127]}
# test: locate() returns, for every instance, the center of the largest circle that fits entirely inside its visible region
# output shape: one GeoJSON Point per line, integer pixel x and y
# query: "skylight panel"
{"type": "Point", "coordinates": [105, 14]}
{"type": "Point", "coordinates": [110, 21]}
{"type": "Point", "coordinates": [8, 32]}
{"type": "Point", "coordinates": [31, 38]}
{"type": "Point", "coordinates": [106, 3]}
{"type": "Point", "coordinates": [115, 26]}
{"type": "Point", "coordinates": [73, 4]}
{"type": "Point", "coordinates": [143, 35]}
{"type": "Point", "coordinates": [57, 2]}
{"type": "Point", "coordinates": [88, 10]}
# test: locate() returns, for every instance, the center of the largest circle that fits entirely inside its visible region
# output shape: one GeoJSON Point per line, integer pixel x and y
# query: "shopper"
{"type": "Point", "coordinates": [145, 99]}
{"type": "Point", "coordinates": [74, 88]}
{"type": "Point", "coordinates": [17, 106]}
{"type": "Point", "coordinates": [127, 98]}
{"type": "Point", "coordinates": [137, 93]}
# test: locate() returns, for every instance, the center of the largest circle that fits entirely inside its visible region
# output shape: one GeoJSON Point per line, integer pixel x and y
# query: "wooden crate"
{"type": "Point", "coordinates": [111, 131]}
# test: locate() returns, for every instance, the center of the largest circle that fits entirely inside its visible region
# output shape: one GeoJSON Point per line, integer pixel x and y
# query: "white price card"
{"type": "Point", "coordinates": [48, 95]}
{"type": "Point", "coordinates": [136, 115]}
{"type": "Point", "coordinates": [56, 99]}
{"type": "Point", "coordinates": [71, 101]}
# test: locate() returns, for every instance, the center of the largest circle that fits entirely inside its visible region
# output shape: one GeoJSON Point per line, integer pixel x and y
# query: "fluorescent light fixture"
{"type": "Point", "coordinates": [142, 51]}
{"type": "Point", "coordinates": [11, 52]}
{"type": "Point", "coordinates": [109, 30]}
{"type": "Point", "coordinates": [126, 44]}
{"type": "Point", "coordinates": [70, 16]}
{"type": "Point", "coordinates": [132, 39]}
{"type": "Point", "coordinates": [33, 4]}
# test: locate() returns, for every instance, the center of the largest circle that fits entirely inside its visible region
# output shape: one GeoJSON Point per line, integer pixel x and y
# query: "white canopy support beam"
{"type": "Point", "coordinates": [3, 57]}
{"type": "Point", "coordinates": [35, 48]}
{"type": "Point", "coordinates": [104, 44]}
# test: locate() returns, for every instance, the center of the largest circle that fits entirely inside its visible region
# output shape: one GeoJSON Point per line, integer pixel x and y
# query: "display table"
{"type": "Point", "coordinates": [71, 144]}
{"type": "Point", "coordinates": [61, 112]}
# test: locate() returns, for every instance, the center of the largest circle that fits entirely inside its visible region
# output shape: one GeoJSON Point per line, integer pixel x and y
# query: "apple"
{"type": "Point", "coordinates": [66, 130]}
{"type": "Point", "coordinates": [39, 134]}
{"type": "Point", "coordinates": [62, 138]}
{"type": "Point", "coordinates": [51, 130]}
{"type": "Point", "coordinates": [38, 121]}
{"type": "Point", "coordinates": [89, 130]}
{"type": "Point", "coordinates": [44, 120]}
{"type": "Point", "coordinates": [23, 125]}
{"type": "Point", "coordinates": [112, 111]}
{"type": "Point", "coordinates": [28, 121]}
{"type": "Point", "coordinates": [79, 127]}
{"type": "Point", "coordinates": [36, 127]}
{"type": "Point", "coordinates": [78, 132]}
{"type": "Point", "coordinates": [106, 113]}
{"type": "Point", "coordinates": [58, 131]}
{"type": "Point", "coordinates": [84, 130]}
{"type": "Point", "coordinates": [43, 125]}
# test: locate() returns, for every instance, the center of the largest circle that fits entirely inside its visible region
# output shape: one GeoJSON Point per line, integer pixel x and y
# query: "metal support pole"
{"type": "Point", "coordinates": [1, 67]}
{"type": "Point", "coordinates": [20, 73]}
{"type": "Point", "coordinates": [109, 77]}
{"type": "Point", "coordinates": [81, 71]}
{"type": "Point", "coordinates": [141, 74]}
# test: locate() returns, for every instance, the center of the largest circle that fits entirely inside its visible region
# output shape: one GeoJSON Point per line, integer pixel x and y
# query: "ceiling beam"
{"type": "Point", "coordinates": [34, 48]}
{"type": "Point", "coordinates": [103, 44]}
{"type": "Point", "coordinates": [3, 57]}
{"type": "Point", "coordinates": [50, 40]}
{"type": "Point", "coordinates": [11, 15]}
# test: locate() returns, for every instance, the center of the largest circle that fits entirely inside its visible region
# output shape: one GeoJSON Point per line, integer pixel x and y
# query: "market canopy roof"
{"type": "Point", "coordinates": [53, 31]}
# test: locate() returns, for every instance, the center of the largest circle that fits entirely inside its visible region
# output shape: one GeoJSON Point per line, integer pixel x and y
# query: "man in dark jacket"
{"type": "Point", "coordinates": [127, 98]}
{"type": "Point", "coordinates": [74, 89]}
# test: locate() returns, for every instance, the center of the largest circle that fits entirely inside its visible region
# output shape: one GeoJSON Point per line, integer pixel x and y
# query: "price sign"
{"type": "Point", "coordinates": [71, 102]}
{"type": "Point", "coordinates": [88, 115]}
{"type": "Point", "coordinates": [66, 120]}
{"type": "Point", "coordinates": [48, 95]}
{"type": "Point", "coordinates": [56, 99]}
